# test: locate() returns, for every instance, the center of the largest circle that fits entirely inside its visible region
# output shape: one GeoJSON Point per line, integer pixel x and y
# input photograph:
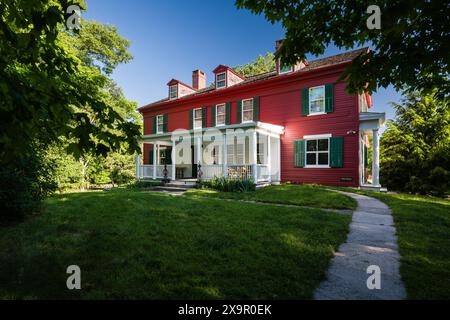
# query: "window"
{"type": "Point", "coordinates": [247, 110]}
{"type": "Point", "coordinates": [317, 152]}
{"type": "Point", "coordinates": [173, 92]}
{"type": "Point", "coordinates": [220, 115]}
{"type": "Point", "coordinates": [317, 100]}
{"type": "Point", "coordinates": [198, 118]}
{"type": "Point", "coordinates": [285, 68]}
{"type": "Point", "coordinates": [221, 80]}
{"type": "Point", "coordinates": [160, 124]}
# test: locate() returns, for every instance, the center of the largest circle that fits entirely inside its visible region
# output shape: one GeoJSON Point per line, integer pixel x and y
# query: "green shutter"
{"type": "Point", "coordinates": [204, 117]}
{"type": "Point", "coordinates": [154, 124]}
{"type": "Point", "coordinates": [299, 153]}
{"type": "Point", "coordinates": [151, 157]}
{"type": "Point", "coordinates": [256, 109]}
{"type": "Point", "coordinates": [329, 97]}
{"type": "Point", "coordinates": [337, 152]}
{"type": "Point", "coordinates": [191, 119]}
{"type": "Point", "coordinates": [239, 111]}
{"type": "Point", "coordinates": [228, 113]}
{"type": "Point", "coordinates": [305, 101]}
{"type": "Point", "coordinates": [213, 116]}
{"type": "Point", "coordinates": [165, 122]}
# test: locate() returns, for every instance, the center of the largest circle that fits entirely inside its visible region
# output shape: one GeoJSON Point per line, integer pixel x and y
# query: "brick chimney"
{"type": "Point", "coordinates": [198, 79]}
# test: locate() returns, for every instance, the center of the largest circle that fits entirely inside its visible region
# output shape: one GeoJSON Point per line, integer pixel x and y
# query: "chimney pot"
{"type": "Point", "coordinates": [198, 79]}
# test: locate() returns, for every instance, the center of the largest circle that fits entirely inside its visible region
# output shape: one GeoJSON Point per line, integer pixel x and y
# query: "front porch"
{"type": "Point", "coordinates": [247, 151]}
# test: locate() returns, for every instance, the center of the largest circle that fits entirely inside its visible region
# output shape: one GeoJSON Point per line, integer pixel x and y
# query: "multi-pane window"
{"type": "Point", "coordinates": [220, 115]}
{"type": "Point", "coordinates": [247, 110]}
{"type": "Point", "coordinates": [173, 92]}
{"type": "Point", "coordinates": [317, 100]}
{"type": "Point", "coordinates": [198, 118]}
{"type": "Point", "coordinates": [285, 68]}
{"type": "Point", "coordinates": [317, 152]}
{"type": "Point", "coordinates": [221, 81]}
{"type": "Point", "coordinates": [160, 124]}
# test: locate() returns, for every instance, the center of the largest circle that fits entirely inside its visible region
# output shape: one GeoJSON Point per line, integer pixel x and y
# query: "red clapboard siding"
{"type": "Point", "coordinates": [280, 104]}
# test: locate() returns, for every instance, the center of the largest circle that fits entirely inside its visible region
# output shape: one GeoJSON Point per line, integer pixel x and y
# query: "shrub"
{"type": "Point", "coordinates": [144, 184]}
{"type": "Point", "coordinates": [230, 184]}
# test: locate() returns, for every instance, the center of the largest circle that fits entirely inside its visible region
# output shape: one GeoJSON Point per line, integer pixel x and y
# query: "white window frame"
{"type": "Point", "coordinates": [280, 67]}
{"type": "Point", "coordinates": [193, 118]}
{"type": "Point", "coordinates": [242, 111]}
{"type": "Point", "coordinates": [324, 98]}
{"type": "Point", "coordinates": [224, 114]}
{"type": "Point", "coordinates": [176, 92]}
{"type": "Point", "coordinates": [317, 137]}
{"type": "Point", "coordinates": [224, 80]}
{"type": "Point", "coordinates": [160, 116]}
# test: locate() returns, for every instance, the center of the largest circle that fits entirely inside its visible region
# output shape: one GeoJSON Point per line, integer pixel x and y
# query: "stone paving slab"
{"type": "Point", "coordinates": [371, 241]}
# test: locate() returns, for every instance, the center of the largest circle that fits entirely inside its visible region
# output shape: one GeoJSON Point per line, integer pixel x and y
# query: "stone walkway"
{"type": "Point", "coordinates": [371, 241]}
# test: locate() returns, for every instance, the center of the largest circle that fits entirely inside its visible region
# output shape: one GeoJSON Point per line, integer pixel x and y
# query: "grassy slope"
{"type": "Point", "coordinates": [302, 195]}
{"type": "Point", "coordinates": [423, 231]}
{"type": "Point", "coordinates": [146, 245]}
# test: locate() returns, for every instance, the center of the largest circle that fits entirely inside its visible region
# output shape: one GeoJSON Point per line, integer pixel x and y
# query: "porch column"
{"type": "Point", "coordinates": [138, 166]}
{"type": "Point", "coordinates": [173, 159]}
{"type": "Point", "coordinates": [269, 159]}
{"type": "Point", "coordinates": [279, 158]}
{"type": "Point", "coordinates": [375, 158]}
{"type": "Point", "coordinates": [224, 155]}
{"type": "Point", "coordinates": [254, 156]}
{"type": "Point", "coordinates": [199, 150]}
{"type": "Point", "coordinates": [154, 159]}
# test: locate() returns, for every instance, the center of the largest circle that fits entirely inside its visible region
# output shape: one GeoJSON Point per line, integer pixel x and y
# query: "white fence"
{"type": "Point", "coordinates": [146, 171]}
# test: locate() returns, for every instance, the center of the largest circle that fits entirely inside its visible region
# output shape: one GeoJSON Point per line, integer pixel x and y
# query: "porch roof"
{"type": "Point", "coordinates": [371, 120]}
{"type": "Point", "coordinates": [261, 127]}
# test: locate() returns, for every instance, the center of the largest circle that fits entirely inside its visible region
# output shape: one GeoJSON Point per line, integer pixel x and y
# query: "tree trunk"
{"type": "Point", "coordinates": [84, 178]}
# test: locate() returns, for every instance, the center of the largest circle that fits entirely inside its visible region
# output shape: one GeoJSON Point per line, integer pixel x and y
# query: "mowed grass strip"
{"type": "Point", "coordinates": [300, 195]}
{"type": "Point", "coordinates": [143, 245]}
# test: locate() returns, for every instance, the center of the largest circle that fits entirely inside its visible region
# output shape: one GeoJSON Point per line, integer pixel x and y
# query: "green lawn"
{"type": "Point", "coordinates": [301, 195]}
{"type": "Point", "coordinates": [423, 231]}
{"type": "Point", "coordinates": [136, 244]}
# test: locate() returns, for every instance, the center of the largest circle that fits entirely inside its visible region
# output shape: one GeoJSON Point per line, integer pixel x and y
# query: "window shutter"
{"type": "Point", "coordinates": [329, 97]}
{"type": "Point", "coordinates": [336, 152]}
{"type": "Point", "coordinates": [204, 117]}
{"type": "Point", "coordinates": [305, 101]}
{"type": "Point", "coordinates": [256, 109]}
{"type": "Point", "coordinates": [228, 113]}
{"type": "Point", "coordinates": [151, 157]}
{"type": "Point", "coordinates": [213, 116]}
{"type": "Point", "coordinates": [239, 111]}
{"type": "Point", "coordinates": [299, 153]}
{"type": "Point", "coordinates": [165, 122]}
{"type": "Point", "coordinates": [154, 124]}
{"type": "Point", "coordinates": [191, 119]}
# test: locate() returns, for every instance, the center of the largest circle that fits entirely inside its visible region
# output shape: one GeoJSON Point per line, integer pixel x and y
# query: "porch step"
{"type": "Point", "coordinates": [182, 184]}
{"type": "Point", "coordinates": [169, 189]}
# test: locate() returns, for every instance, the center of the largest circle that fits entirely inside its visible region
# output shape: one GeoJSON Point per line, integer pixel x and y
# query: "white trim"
{"type": "Point", "coordinates": [217, 82]}
{"type": "Point", "coordinates": [176, 96]}
{"type": "Point", "coordinates": [309, 101]}
{"type": "Point", "coordinates": [157, 123]}
{"type": "Point", "coordinates": [317, 137]}
{"type": "Point", "coordinates": [224, 114]}
{"type": "Point", "coordinates": [242, 110]}
{"type": "Point", "coordinates": [193, 118]}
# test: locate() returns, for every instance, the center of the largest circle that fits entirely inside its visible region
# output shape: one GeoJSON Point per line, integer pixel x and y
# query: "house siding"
{"type": "Point", "coordinates": [280, 104]}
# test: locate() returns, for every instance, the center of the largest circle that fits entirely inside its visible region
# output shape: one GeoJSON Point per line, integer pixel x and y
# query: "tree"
{"type": "Point", "coordinates": [262, 64]}
{"type": "Point", "coordinates": [415, 148]}
{"type": "Point", "coordinates": [411, 48]}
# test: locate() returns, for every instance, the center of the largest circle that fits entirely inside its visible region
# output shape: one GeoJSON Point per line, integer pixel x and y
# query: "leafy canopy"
{"type": "Point", "coordinates": [410, 50]}
{"type": "Point", "coordinates": [262, 64]}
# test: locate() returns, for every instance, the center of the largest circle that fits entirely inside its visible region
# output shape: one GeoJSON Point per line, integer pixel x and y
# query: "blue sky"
{"type": "Point", "coordinates": [169, 39]}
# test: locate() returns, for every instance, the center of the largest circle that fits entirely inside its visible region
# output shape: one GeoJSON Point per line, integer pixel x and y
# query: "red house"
{"type": "Point", "coordinates": [294, 124]}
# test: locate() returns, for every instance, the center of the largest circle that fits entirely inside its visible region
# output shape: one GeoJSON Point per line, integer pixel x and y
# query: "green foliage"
{"type": "Point", "coordinates": [415, 148]}
{"type": "Point", "coordinates": [230, 184]}
{"type": "Point", "coordinates": [144, 184]}
{"type": "Point", "coordinates": [262, 64]}
{"type": "Point", "coordinates": [411, 48]}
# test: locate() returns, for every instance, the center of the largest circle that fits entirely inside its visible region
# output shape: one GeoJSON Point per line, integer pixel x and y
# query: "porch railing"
{"type": "Point", "coordinates": [146, 171]}
{"type": "Point", "coordinates": [211, 171]}
{"type": "Point", "coordinates": [263, 172]}
{"type": "Point", "coordinates": [240, 171]}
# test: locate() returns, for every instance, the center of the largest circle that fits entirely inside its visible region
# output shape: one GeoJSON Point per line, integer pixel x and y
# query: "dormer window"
{"type": "Point", "coordinates": [173, 91]}
{"type": "Point", "coordinates": [284, 68]}
{"type": "Point", "coordinates": [221, 80]}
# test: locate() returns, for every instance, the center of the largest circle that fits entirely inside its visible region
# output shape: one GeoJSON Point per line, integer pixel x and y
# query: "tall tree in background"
{"type": "Point", "coordinates": [415, 148]}
{"type": "Point", "coordinates": [411, 48]}
{"type": "Point", "coordinates": [262, 64]}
